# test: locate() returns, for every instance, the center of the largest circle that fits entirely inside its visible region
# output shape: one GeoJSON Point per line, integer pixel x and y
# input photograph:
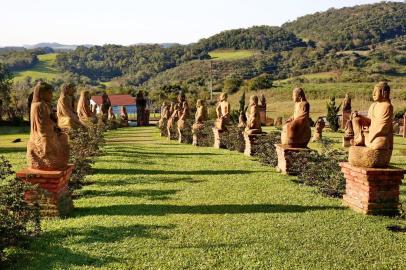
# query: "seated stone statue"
{"type": "Point", "coordinates": [173, 118]}
{"type": "Point", "coordinates": [253, 118]}
{"type": "Point", "coordinates": [318, 134]}
{"type": "Point", "coordinates": [223, 112]}
{"type": "Point", "coordinates": [67, 118]}
{"type": "Point", "coordinates": [200, 116]}
{"type": "Point", "coordinates": [47, 148]}
{"type": "Point", "coordinates": [296, 132]}
{"type": "Point", "coordinates": [84, 111]}
{"type": "Point", "coordinates": [124, 117]}
{"type": "Point", "coordinates": [373, 134]}
{"type": "Point", "coordinates": [184, 111]}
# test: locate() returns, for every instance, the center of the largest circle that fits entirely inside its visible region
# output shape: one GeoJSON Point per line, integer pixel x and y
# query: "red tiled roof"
{"type": "Point", "coordinates": [116, 100]}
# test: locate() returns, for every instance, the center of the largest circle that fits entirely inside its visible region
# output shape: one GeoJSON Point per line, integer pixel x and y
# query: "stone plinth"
{"type": "Point", "coordinates": [251, 141]}
{"type": "Point", "coordinates": [262, 115]}
{"type": "Point", "coordinates": [372, 191]}
{"type": "Point", "coordinates": [171, 133]}
{"type": "Point", "coordinates": [199, 138]}
{"type": "Point", "coordinates": [345, 118]}
{"type": "Point", "coordinates": [346, 141]}
{"type": "Point", "coordinates": [54, 196]}
{"type": "Point", "coordinates": [219, 138]}
{"type": "Point", "coordinates": [287, 156]}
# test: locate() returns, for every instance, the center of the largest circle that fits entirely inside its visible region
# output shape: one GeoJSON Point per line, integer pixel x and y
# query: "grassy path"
{"type": "Point", "coordinates": [156, 204]}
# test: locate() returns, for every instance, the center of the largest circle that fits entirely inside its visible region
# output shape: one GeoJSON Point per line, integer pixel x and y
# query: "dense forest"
{"type": "Point", "coordinates": [352, 27]}
{"type": "Point", "coordinates": [19, 59]}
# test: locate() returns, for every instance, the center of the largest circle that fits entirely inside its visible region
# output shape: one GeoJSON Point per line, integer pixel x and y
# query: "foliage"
{"type": "Point", "coordinates": [5, 88]}
{"type": "Point", "coordinates": [232, 83]}
{"type": "Point", "coordinates": [322, 169]}
{"type": "Point", "coordinates": [18, 60]}
{"type": "Point", "coordinates": [332, 114]}
{"type": "Point", "coordinates": [266, 151]}
{"type": "Point", "coordinates": [352, 27]}
{"type": "Point", "coordinates": [263, 81]}
{"type": "Point", "coordinates": [85, 144]}
{"type": "Point", "coordinates": [19, 220]}
{"type": "Point", "coordinates": [242, 103]}
{"type": "Point", "coordinates": [234, 138]}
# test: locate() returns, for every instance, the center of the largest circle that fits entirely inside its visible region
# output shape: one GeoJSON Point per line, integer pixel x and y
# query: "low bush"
{"type": "Point", "coordinates": [234, 138]}
{"type": "Point", "coordinates": [322, 170]}
{"type": "Point", "coordinates": [265, 151]}
{"type": "Point", "coordinates": [85, 145]}
{"type": "Point", "coordinates": [206, 134]}
{"type": "Point", "coordinates": [19, 220]}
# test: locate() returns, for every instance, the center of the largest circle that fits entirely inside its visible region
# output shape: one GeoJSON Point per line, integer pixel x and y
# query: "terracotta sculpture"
{"type": "Point", "coordinates": [200, 116]}
{"type": "Point", "coordinates": [320, 125]}
{"type": "Point", "coordinates": [85, 114]}
{"type": "Point", "coordinates": [47, 148]}
{"type": "Point", "coordinates": [373, 135]}
{"type": "Point", "coordinates": [141, 109]}
{"type": "Point", "coordinates": [67, 118]}
{"type": "Point", "coordinates": [253, 118]}
{"type": "Point", "coordinates": [296, 133]}
{"type": "Point", "coordinates": [172, 120]}
{"type": "Point", "coordinates": [111, 115]}
{"type": "Point", "coordinates": [223, 112]}
{"type": "Point", "coordinates": [404, 125]}
{"type": "Point", "coordinates": [242, 120]}
{"type": "Point", "coordinates": [184, 111]}
{"type": "Point", "coordinates": [346, 110]}
{"type": "Point", "coordinates": [262, 110]}
{"type": "Point", "coordinates": [124, 116]}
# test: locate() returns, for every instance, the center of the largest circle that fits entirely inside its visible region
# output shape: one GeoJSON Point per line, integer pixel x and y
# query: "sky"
{"type": "Point", "coordinates": [129, 22]}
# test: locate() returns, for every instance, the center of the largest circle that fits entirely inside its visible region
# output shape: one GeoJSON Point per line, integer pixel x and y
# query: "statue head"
{"type": "Point", "coordinates": [223, 97]}
{"type": "Point", "coordinates": [263, 99]}
{"type": "Point", "coordinates": [254, 100]}
{"type": "Point", "coordinates": [85, 95]}
{"type": "Point", "coordinates": [200, 103]}
{"type": "Point", "coordinates": [381, 92]}
{"type": "Point", "coordinates": [42, 92]}
{"type": "Point", "coordinates": [181, 97]}
{"type": "Point", "coordinates": [298, 95]}
{"type": "Point", "coordinates": [68, 89]}
{"type": "Point", "coordinates": [123, 109]}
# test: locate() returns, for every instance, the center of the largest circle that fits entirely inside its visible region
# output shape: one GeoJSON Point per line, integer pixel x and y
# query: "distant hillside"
{"type": "Point", "coordinates": [55, 46]}
{"type": "Point", "coordinates": [269, 38]}
{"type": "Point", "coordinates": [352, 27]}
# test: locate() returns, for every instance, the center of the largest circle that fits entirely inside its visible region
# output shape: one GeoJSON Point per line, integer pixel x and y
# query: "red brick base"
{"type": "Point", "coordinates": [372, 191]}
{"type": "Point", "coordinates": [287, 156]}
{"type": "Point", "coordinates": [54, 198]}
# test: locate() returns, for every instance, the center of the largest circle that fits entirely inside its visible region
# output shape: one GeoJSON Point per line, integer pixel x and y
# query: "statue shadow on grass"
{"type": "Point", "coordinates": [150, 194]}
{"type": "Point", "coordinates": [148, 181]}
{"type": "Point", "coordinates": [47, 252]}
{"type": "Point", "coordinates": [10, 150]}
{"type": "Point", "coordinates": [221, 209]}
{"type": "Point", "coordinates": [165, 172]}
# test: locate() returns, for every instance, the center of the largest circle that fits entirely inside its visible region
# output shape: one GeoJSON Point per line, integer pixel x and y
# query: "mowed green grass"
{"type": "Point", "coordinates": [157, 204]}
{"type": "Point", "coordinates": [45, 69]}
{"type": "Point", "coordinates": [227, 55]}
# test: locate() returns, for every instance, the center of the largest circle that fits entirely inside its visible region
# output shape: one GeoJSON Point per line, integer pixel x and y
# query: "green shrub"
{"type": "Point", "coordinates": [263, 81]}
{"type": "Point", "coordinates": [322, 169]}
{"type": "Point", "coordinates": [234, 138]}
{"type": "Point", "coordinates": [265, 151]}
{"type": "Point", "coordinates": [232, 84]}
{"type": "Point", "coordinates": [19, 220]}
{"type": "Point", "coordinates": [85, 145]}
{"type": "Point", "coordinates": [332, 114]}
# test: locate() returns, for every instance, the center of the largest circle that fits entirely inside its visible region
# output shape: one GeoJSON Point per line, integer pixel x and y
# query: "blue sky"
{"type": "Point", "coordinates": [156, 21]}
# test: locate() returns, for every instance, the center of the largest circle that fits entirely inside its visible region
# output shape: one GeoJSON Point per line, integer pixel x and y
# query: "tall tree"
{"type": "Point", "coordinates": [5, 88]}
{"type": "Point", "coordinates": [332, 114]}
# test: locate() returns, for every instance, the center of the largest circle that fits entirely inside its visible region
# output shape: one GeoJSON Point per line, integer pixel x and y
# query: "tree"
{"type": "Point", "coordinates": [332, 114]}
{"type": "Point", "coordinates": [263, 81]}
{"type": "Point", "coordinates": [242, 103]}
{"type": "Point", "coordinates": [232, 84]}
{"type": "Point", "coordinates": [5, 88]}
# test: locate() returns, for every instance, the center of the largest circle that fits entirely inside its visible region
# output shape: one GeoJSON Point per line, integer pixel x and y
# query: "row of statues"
{"type": "Point", "coordinates": [48, 147]}
{"type": "Point", "coordinates": [373, 132]}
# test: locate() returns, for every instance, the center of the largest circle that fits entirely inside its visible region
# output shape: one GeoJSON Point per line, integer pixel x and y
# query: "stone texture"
{"type": "Point", "coordinates": [367, 157]}
{"type": "Point", "coordinates": [251, 143]}
{"type": "Point", "coordinates": [372, 191]}
{"type": "Point", "coordinates": [287, 156]}
{"type": "Point", "coordinates": [218, 138]}
{"type": "Point", "coordinates": [54, 196]}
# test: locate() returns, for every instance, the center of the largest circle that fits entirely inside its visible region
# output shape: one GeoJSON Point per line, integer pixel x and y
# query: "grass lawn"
{"type": "Point", "coordinates": [157, 204]}
{"type": "Point", "coordinates": [224, 55]}
{"type": "Point", "coordinates": [43, 70]}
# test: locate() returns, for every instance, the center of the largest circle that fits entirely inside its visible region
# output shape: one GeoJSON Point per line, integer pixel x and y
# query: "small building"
{"type": "Point", "coordinates": [117, 101]}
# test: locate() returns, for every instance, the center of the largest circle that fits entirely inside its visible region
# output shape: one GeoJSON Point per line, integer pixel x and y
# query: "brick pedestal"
{"type": "Point", "coordinates": [287, 156]}
{"type": "Point", "coordinates": [54, 196]}
{"type": "Point", "coordinates": [198, 138]}
{"type": "Point", "coordinates": [218, 138]}
{"type": "Point", "coordinates": [372, 191]}
{"type": "Point", "coordinates": [251, 142]}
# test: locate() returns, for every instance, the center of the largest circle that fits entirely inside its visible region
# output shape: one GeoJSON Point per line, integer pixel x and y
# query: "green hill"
{"type": "Point", "coordinates": [352, 27]}
{"type": "Point", "coordinates": [44, 69]}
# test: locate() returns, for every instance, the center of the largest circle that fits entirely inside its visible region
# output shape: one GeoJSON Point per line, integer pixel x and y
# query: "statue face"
{"type": "Point", "coordinates": [376, 94]}
{"type": "Point", "coordinates": [46, 96]}
{"type": "Point", "coordinates": [295, 96]}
